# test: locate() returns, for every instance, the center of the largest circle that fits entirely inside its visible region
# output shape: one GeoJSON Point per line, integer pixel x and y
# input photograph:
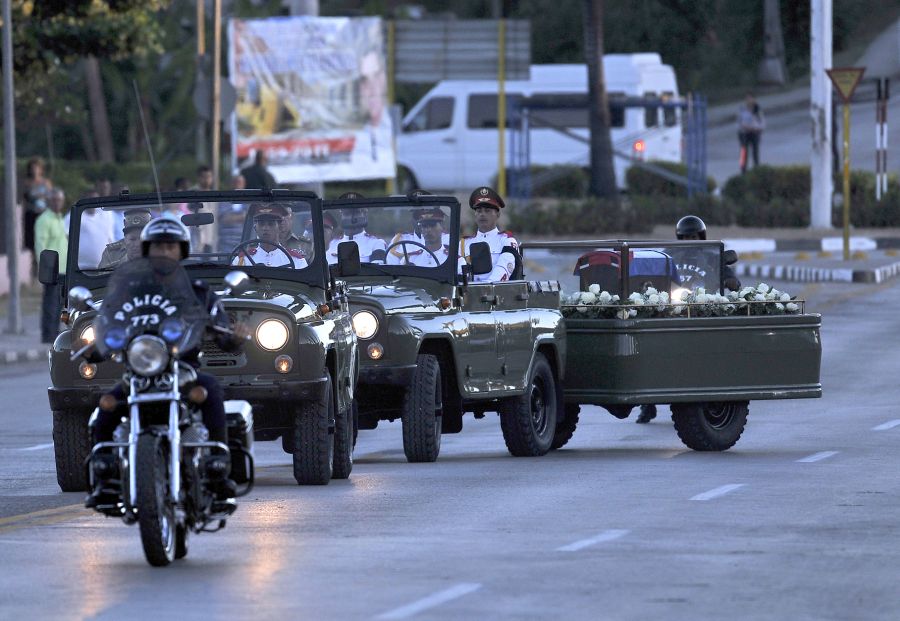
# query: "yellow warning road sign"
{"type": "Point", "coordinates": [845, 80]}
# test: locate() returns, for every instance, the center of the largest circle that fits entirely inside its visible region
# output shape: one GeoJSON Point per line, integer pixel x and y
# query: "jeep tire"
{"type": "Point", "coordinates": [313, 438]}
{"type": "Point", "coordinates": [72, 445]}
{"type": "Point", "coordinates": [344, 442]}
{"type": "Point", "coordinates": [710, 426]}
{"type": "Point", "coordinates": [566, 427]}
{"type": "Point", "coordinates": [422, 411]}
{"type": "Point", "coordinates": [529, 420]}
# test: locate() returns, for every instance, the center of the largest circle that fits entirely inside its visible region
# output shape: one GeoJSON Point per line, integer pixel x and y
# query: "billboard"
{"type": "Point", "coordinates": [312, 93]}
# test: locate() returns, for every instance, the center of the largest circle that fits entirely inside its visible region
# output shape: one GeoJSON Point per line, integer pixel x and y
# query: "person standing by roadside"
{"type": "Point", "coordinates": [204, 238]}
{"type": "Point", "coordinates": [751, 124]}
{"type": "Point", "coordinates": [50, 234]}
{"type": "Point", "coordinates": [257, 175]}
{"type": "Point", "coordinates": [37, 195]}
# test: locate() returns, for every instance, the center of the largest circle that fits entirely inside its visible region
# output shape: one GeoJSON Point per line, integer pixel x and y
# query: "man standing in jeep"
{"type": "Point", "coordinates": [504, 247]}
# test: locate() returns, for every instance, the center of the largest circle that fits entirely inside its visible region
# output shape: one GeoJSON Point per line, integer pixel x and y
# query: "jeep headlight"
{"type": "Point", "coordinates": [88, 334]}
{"type": "Point", "coordinates": [148, 355]}
{"type": "Point", "coordinates": [365, 324]}
{"type": "Point", "coordinates": [272, 334]}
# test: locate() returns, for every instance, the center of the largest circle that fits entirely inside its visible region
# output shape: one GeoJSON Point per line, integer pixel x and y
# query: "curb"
{"type": "Point", "coordinates": [32, 354]}
{"type": "Point", "coordinates": [797, 273]}
{"type": "Point", "coordinates": [825, 244]}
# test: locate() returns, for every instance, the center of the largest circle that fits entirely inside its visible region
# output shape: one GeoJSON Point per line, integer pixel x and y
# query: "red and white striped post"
{"type": "Point", "coordinates": [881, 136]}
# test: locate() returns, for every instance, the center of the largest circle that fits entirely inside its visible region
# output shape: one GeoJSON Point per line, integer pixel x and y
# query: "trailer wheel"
{"type": "Point", "coordinates": [710, 426]}
{"type": "Point", "coordinates": [529, 421]}
{"type": "Point", "coordinates": [566, 428]}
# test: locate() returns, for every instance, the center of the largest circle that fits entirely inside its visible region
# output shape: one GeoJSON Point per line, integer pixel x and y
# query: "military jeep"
{"type": "Point", "coordinates": [298, 370]}
{"type": "Point", "coordinates": [435, 344]}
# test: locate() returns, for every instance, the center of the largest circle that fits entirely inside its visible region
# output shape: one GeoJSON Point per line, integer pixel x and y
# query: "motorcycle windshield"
{"type": "Point", "coordinates": [150, 296]}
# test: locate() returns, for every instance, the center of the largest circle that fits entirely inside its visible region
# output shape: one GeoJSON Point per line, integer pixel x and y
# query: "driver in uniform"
{"type": "Point", "coordinates": [430, 229]}
{"type": "Point", "coordinates": [267, 223]}
{"type": "Point", "coordinates": [504, 247]}
{"type": "Point", "coordinates": [129, 247]}
{"type": "Point", "coordinates": [354, 221]}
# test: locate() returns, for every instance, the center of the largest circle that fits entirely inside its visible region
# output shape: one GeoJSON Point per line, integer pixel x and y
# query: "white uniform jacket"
{"type": "Point", "coordinates": [367, 244]}
{"type": "Point", "coordinates": [504, 262]}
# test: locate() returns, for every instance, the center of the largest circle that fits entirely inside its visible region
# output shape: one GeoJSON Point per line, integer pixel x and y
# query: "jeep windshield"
{"type": "Point", "coordinates": [265, 234]}
{"type": "Point", "coordinates": [396, 236]}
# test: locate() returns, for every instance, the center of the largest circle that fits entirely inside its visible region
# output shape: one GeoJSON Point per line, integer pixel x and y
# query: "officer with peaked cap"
{"type": "Point", "coordinates": [354, 221]}
{"type": "Point", "coordinates": [129, 247]}
{"type": "Point", "coordinates": [267, 220]}
{"type": "Point", "coordinates": [504, 247]}
{"type": "Point", "coordinates": [430, 232]}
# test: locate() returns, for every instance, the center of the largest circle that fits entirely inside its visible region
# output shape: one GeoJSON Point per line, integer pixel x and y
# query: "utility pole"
{"type": "Point", "coordinates": [200, 70]}
{"type": "Point", "coordinates": [821, 182]}
{"type": "Point", "coordinates": [603, 176]}
{"type": "Point", "coordinates": [216, 92]}
{"type": "Point", "coordinates": [772, 69]}
{"type": "Point", "coordinates": [9, 155]}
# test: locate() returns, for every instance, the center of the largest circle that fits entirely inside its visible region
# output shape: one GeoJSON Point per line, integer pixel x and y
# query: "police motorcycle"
{"type": "Point", "coordinates": [161, 466]}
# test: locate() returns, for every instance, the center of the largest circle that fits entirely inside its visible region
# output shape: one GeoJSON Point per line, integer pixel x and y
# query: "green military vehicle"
{"type": "Point", "coordinates": [435, 344]}
{"type": "Point", "coordinates": [707, 356]}
{"type": "Point", "coordinates": [299, 368]}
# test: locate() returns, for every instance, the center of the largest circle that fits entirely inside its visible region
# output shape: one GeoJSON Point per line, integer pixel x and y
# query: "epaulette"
{"type": "Point", "coordinates": [506, 233]}
{"type": "Point", "coordinates": [296, 253]}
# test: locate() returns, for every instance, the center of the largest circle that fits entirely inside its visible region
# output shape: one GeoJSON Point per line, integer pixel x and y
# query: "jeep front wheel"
{"type": "Point", "coordinates": [343, 444]}
{"type": "Point", "coordinates": [422, 410]}
{"type": "Point", "coordinates": [710, 426]}
{"type": "Point", "coordinates": [313, 441]}
{"type": "Point", "coordinates": [529, 420]}
{"type": "Point", "coordinates": [72, 445]}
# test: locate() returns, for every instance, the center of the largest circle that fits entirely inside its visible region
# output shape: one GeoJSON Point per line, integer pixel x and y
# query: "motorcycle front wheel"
{"type": "Point", "coordinates": [156, 511]}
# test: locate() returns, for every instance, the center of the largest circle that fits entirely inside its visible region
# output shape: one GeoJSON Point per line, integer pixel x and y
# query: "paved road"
{"type": "Point", "coordinates": [787, 140]}
{"type": "Point", "coordinates": [798, 521]}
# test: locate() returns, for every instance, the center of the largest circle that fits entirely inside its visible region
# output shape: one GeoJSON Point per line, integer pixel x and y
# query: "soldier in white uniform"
{"type": "Point", "coordinates": [267, 220]}
{"type": "Point", "coordinates": [430, 226]}
{"type": "Point", "coordinates": [487, 205]}
{"type": "Point", "coordinates": [353, 222]}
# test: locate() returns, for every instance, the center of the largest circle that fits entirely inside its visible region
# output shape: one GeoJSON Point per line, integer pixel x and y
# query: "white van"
{"type": "Point", "coordinates": [449, 138]}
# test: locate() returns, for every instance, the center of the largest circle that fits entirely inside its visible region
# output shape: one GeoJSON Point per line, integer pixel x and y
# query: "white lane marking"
{"type": "Point", "coordinates": [435, 599]}
{"type": "Point", "coordinates": [817, 457]}
{"type": "Point", "coordinates": [674, 453]}
{"type": "Point", "coordinates": [719, 491]}
{"type": "Point", "coordinates": [888, 425]}
{"type": "Point", "coordinates": [607, 535]}
{"type": "Point", "coordinates": [37, 447]}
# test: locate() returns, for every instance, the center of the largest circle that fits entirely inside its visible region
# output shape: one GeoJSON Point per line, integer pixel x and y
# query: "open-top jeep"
{"type": "Point", "coordinates": [434, 344]}
{"type": "Point", "coordinates": [298, 369]}
{"type": "Point", "coordinates": [706, 356]}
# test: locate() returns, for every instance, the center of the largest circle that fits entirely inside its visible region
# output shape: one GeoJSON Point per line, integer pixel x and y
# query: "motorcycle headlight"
{"type": "Point", "coordinates": [365, 324]}
{"type": "Point", "coordinates": [272, 334]}
{"type": "Point", "coordinates": [88, 334]}
{"type": "Point", "coordinates": [172, 329]}
{"type": "Point", "coordinates": [115, 338]}
{"type": "Point", "coordinates": [148, 355]}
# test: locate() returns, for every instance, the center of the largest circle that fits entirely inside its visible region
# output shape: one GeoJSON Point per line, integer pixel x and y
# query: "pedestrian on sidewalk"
{"type": "Point", "coordinates": [37, 195]}
{"type": "Point", "coordinates": [751, 124]}
{"type": "Point", "coordinates": [50, 234]}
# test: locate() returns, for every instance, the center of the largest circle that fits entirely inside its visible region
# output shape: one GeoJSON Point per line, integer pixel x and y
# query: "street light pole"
{"type": "Point", "coordinates": [820, 113]}
{"type": "Point", "coordinates": [9, 155]}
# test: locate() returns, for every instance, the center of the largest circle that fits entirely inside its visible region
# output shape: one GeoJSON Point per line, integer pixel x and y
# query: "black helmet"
{"type": "Point", "coordinates": [166, 230]}
{"type": "Point", "coordinates": [690, 226]}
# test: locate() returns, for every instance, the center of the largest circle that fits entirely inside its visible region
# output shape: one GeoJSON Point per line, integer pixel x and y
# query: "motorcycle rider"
{"type": "Point", "coordinates": [168, 239]}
